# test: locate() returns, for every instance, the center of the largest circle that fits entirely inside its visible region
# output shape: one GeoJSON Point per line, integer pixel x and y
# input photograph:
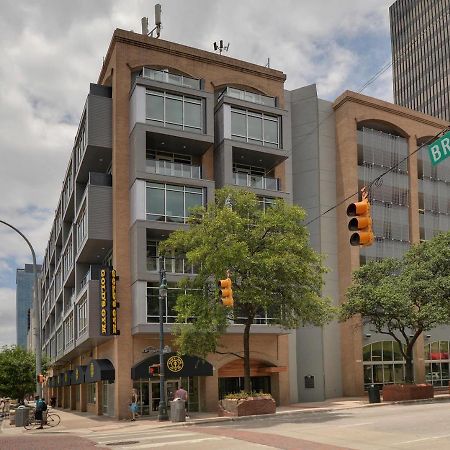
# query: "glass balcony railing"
{"type": "Point", "coordinates": [166, 77]}
{"type": "Point", "coordinates": [256, 181]}
{"type": "Point", "coordinates": [248, 96]}
{"type": "Point", "coordinates": [171, 265]}
{"type": "Point", "coordinates": [173, 169]}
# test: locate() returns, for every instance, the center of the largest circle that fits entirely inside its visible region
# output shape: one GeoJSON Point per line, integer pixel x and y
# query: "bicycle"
{"type": "Point", "coordinates": [52, 420]}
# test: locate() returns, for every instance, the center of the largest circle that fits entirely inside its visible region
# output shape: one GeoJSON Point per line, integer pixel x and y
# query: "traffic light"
{"type": "Point", "coordinates": [40, 378]}
{"type": "Point", "coordinates": [361, 222]}
{"type": "Point", "coordinates": [154, 370]}
{"type": "Point", "coordinates": [226, 292]}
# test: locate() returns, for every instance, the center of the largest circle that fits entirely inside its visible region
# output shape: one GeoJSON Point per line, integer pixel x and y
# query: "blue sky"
{"type": "Point", "coordinates": [52, 49]}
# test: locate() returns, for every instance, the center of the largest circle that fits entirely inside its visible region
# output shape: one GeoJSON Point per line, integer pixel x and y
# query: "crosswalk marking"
{"type": "Point", "coordinates": [164, 444]}
{"type": "Point", "coordinates": [149, 436]}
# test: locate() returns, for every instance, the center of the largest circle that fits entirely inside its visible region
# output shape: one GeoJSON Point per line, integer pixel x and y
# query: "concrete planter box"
{"type": "Point", "coordinates": [396, 392]}
{"type": "Point", "coordinates": [246, 407]}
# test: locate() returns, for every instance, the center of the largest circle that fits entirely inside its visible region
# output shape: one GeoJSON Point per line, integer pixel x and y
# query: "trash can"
{"type": "Point", "coordinates": [177, 411]}
{"type": "Point", "coordinates": [374, 393]}
{"type": "Point", "coordinates": [22, 413]}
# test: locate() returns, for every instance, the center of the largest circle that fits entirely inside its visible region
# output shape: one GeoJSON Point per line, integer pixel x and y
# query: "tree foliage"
{"type": "Point", "coordinates": [273, 267]}
{"type": "Point", "coordinates": [17, 372]}
{"type": "Point", "coordinates": [403, 298]}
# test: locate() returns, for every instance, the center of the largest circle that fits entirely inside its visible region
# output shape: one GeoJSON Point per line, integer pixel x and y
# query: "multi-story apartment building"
{"type": "Point", "coordinates": [164, 127]}
{"type": "Point", "coordinates": [24, 302]}
{"type": "Point", "coordinates": [337, 149]}
{"type": "Point", "coordinates": [421, 55]}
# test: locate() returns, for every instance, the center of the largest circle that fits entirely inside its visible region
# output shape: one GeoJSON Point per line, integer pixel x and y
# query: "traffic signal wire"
{"type": "Point", "coordinates": [377, 180]}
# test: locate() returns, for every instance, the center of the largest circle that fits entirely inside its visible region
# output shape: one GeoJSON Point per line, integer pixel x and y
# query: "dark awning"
{"type": "Point", "coordinates": [60, 380]}
{"type": "Point", "coordinates": [78, 375]}
{"type": "Point", "coordinates": [99, 370]}
{"type": "Point", "coordinates": [50, 381]}
{"type": "Point", "coordinates": [67, 380]}
{"type": "Point", "coordinates": [176, 366]}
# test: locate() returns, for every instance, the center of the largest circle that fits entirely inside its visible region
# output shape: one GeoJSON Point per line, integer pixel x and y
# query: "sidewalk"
{"type": "Point", "coordinates": [72, 421]}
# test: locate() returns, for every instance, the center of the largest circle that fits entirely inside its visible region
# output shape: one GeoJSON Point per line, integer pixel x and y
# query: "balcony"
{"type": "Point", "coordinates": [248, 96]}
{"type": "Point", "coordinates": [171, 78]}
{"type": "Point", "coordinates": [169, 168]}
{"type": "Point", "coordinates": [256, 181]}
{"type": "Point", "coordinates": [178, 265]}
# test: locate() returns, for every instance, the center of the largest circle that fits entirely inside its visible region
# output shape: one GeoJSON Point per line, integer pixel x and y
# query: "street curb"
{"type": "Point", "coordinates": [209, 420]}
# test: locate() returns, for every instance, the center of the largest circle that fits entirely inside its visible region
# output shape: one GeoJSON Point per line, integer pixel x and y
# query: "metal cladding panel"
{"type": "Point", "coordinates": [99, 121]}
{"type": "Point", "coordinates": [100, 212]}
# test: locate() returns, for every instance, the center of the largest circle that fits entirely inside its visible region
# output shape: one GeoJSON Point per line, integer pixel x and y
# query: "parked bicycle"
{"type": "Point", "coordinates": [52, 420]}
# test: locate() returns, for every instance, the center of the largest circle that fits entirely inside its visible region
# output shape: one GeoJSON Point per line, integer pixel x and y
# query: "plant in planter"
{"type": "Point", "coordinates": [403, 298]}
{"type": "Point", "coordinates": [247, 404]}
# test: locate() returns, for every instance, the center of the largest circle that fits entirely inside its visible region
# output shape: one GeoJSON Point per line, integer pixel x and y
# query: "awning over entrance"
{"type": "Point", "coordinates": [175, 366]}
{"type": "Point", "coordinates": [67, 378]}
{"type": "Point", "coordinates": [99, 370]}
{"type": "Point", "coordinates": [78, 374]}
{"type": "Point", "coordinates": [51, 382]}
{"type": "Point", "coordinates": [258, 368]}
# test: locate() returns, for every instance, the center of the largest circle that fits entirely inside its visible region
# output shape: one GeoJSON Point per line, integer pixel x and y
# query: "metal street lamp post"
{"type": "Point", "coordinates": [162, 408]}
{"type": "Point", "coordinates": [37, 312]}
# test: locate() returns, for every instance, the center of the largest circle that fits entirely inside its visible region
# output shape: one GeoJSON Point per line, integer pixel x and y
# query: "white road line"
{"type": "Point", "coordinates": [355, 425]}
{"type": "Point", "coordinates": [163, 444]}
{"type": "Point", "coordinates": [422, 439]}
{"type": "Point", "coordinates": [121, 433]}
{"type": "Point", "coordinates": [149, 436]}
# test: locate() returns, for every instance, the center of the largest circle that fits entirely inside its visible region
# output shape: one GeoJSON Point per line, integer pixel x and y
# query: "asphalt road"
{"type": "Point", "coordinates": [401, 426]}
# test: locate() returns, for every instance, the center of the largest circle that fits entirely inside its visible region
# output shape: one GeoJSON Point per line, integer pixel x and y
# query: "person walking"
{"type": "Point", "coordinates": [134, 404]}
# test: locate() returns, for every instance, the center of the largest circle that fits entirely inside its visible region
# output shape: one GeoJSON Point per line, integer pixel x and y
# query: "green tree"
{"type": "Point", "coordinates": [272, 265]}
{"type": "Point", "coordinates": [403, 298]}
{"type": "Point", "coordinates": [17, 372]}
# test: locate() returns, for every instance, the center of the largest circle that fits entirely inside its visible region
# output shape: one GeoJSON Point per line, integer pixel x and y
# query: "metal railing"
{"type": "Point", "coordinates": [256, 181]}
{"type": "Point", "coordinates": [166, 77]}
{"type": "Point", "coordinates": [169, 168]}
{"type": "Point", "coordinates": [171, 265]}
{"type": "Point", "coordinates": [248, 96]}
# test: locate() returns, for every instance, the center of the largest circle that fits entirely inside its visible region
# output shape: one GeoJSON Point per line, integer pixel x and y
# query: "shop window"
{"type": "Point", "coordinates": [437, 363]}
{"type": "Point", "coordinates": [383, 363]}
{"type": "Point", "coordinates": [91, 393]}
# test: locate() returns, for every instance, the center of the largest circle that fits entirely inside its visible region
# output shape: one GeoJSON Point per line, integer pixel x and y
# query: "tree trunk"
{"type": "Point", "coordinates": [247, 380]}
{"type": "Point", "coordinates": [409, 369]}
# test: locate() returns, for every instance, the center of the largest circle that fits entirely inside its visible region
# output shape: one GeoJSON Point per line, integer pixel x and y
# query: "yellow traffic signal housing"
{"type": "Point", "coordinates": [226, 293]}
{"type": "Point", "coordinates": [361, 223]}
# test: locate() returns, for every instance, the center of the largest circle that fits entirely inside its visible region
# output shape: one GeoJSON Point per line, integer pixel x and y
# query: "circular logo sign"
{"type": "Point", "coordinates": [175, 363]}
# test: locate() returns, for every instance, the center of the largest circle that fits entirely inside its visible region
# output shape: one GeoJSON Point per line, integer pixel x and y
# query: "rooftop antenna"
{"type": "Point", "coordinates": [268, 63]}
{"type": "Point", "coordinates": [221, 47]}
{"type": "Point", "coordinates": [144, 22]}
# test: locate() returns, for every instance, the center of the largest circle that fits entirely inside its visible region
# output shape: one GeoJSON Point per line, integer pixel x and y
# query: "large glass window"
{"type": "Point", "coordinates": [437, 363]}
{"type": "Point", "coordinates": [256, 128]}
{"type": "Point", "coordinates": [82, 317]}
{"type": "Point", "coordinates": [91, 393]}
{"type": "Point", "coordinates": [174, 111]}
{"type": "Point", "coordinates": [172, 203]}
{"type": "Point", "coordinates": [383, 363]}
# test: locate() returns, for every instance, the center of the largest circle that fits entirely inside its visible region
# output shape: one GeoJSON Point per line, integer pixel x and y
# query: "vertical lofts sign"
{"type": "Point", "coordinates": [108, 302]}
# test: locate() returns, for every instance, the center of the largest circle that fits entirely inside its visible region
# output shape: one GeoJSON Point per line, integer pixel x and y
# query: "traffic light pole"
{"type": "Point", "coordinates": [162, 408]}
{"type": "Point", "coordinates": [37, 313]}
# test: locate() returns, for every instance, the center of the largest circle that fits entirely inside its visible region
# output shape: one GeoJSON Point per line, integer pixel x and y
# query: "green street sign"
{"type": "Point", "coordinates": [440, 149]}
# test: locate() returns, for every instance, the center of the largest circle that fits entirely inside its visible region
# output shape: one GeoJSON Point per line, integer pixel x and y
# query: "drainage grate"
{"type": "Point", "coordinates": [123, 443]}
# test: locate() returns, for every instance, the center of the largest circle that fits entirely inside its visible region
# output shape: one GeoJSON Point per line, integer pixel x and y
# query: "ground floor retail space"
{"type": "Point", "coordinates": [101, 384]}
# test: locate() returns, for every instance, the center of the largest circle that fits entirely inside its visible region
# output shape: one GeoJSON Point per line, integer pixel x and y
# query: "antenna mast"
{"type": "Point", "coordinates": [144, 23]}
{"type": "Point", "coordinates": [221, 47]}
